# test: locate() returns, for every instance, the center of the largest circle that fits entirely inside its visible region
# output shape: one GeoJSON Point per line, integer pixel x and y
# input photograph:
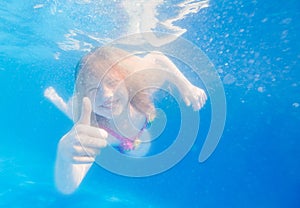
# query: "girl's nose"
{"type": "Point", "coordinates": [108, 93]}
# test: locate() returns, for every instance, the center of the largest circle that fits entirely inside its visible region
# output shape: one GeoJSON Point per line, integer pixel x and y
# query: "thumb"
{"type": "Point", "coordinates": [86, 111]}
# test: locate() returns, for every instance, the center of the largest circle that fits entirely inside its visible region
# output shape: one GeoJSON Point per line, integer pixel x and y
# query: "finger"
{"type": "Point", "coordinates": [187, 101]}
{"type": "Point", "coordinates": [196, 106]}
{"type": "Point", "coordinates": [85, 151]}
{"type": "Point", "coordinates": [203, 98]}
{"type": "Point", "coordinates": [86, 111]}
{"type": "Point", "coordinates": [91, 131]}
{"type": "Point", "coordinates": [200, 103]}
{"type": "Point", "coordinates": [83, 159]}
{"type": "Point", "coordinates": [91, 142]}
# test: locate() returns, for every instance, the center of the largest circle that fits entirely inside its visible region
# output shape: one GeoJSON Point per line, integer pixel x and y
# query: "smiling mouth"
{"type": "Point", "coordinates": [106, 107]}
{"type": "Point", "coordinates": [109, 104]}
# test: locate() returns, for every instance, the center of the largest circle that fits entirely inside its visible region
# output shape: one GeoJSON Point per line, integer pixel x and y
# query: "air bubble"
{"type": "Point", "coordinates": [229, 79]}
{"type": "Point", "coordinates": [260, 89]}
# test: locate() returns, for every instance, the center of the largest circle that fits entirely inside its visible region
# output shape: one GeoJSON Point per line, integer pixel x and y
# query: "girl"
{"type": "Point", "coordinates": [113, 104]}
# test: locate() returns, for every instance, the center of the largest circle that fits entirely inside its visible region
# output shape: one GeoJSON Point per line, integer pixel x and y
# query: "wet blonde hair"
{"type": "Point", "coordinates": [113, 64]}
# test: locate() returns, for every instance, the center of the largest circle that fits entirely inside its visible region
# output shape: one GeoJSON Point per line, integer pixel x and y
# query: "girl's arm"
{"type": "Point", "coordinates": [190, 93]}
{"type": "Point", "coordinates": [77, 149]}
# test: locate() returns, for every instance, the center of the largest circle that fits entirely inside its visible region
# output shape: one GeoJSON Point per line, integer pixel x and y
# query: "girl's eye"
{"type": "Point", "coordinates": [92, 90]}
{"type": "Point", "coordinates": [113, 83]}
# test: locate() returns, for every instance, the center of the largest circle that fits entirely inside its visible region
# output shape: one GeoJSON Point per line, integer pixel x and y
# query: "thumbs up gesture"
{"type": "Point", "coordinates": [83, 142]}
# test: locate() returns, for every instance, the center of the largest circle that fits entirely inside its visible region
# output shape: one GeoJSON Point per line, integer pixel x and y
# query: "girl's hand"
{"type": "Point", "coordinates": [83, 142]}
{"type": "Point", "coordinates": [194, 96]}
{"type": "Point", "coordinates": [190, 93]}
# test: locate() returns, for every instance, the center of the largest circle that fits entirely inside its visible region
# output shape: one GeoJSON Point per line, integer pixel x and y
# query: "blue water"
{"type": "Point", "coordinates": [255, 48]}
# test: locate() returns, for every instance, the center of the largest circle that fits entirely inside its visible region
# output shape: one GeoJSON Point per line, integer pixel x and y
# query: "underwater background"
{"type": "Point", "coordinates": [254, 47]}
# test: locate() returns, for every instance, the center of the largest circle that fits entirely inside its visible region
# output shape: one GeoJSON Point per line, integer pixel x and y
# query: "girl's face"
{"type": "Point", "coordinates": [110, 99]}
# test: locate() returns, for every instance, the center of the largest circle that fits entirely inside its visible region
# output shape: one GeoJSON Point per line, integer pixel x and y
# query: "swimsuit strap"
{"type": "Point", "coordinates": [127, 144]}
